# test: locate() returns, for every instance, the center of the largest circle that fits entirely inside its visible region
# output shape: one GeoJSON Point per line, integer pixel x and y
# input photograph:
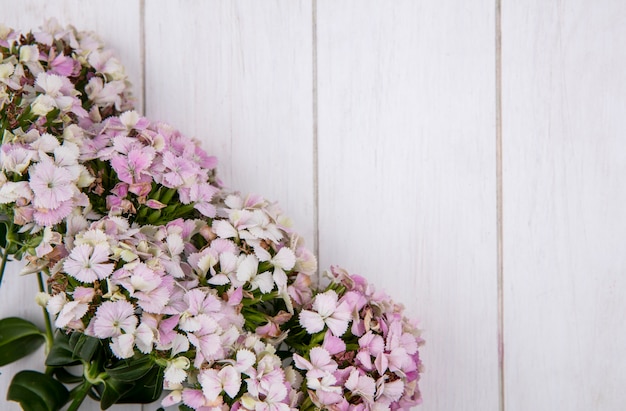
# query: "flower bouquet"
{"type": "Point", "coordinates": [162, 284]}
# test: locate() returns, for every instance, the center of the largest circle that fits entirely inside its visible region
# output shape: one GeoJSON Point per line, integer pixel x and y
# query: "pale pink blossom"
{"type": "Point", "coordinates": [213, 382]}
{"type": "Point", "coordinates": [51, 185]}
{"type": "Point", "coordinates": [133, 168]}
{"type": "Point", "coordinates": [114, 317]}
{"type": "Point", "coordinates": [122, 345]}
{"type": "Point", "coordinates": [176, 370]}
{"type": "Point", "coordinates": [326, 312]}
{"type": "Point", "coordinates": [319, 365]}
{"type": "Point", "coordinates": [89, 263]}
{"type": "Point", "coordinates": [47, 217]}
{"type": "Point", "coordinates": [266, 400]}
{"type": "Point", "coordinates": [361, 385]}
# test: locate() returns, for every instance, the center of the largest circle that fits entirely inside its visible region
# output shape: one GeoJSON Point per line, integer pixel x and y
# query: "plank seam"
{"type": "Point", "coordinates": [499, 204]}
{"type": "Point", "coordinates": [315, 131]}
{"type": "Point", "coordinates": [142, 51]}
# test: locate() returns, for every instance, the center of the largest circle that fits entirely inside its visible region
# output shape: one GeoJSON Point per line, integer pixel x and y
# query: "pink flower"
{"type": "Point", "coordinates": [89, 263]}
{"type": "Point", "coordinates": [122, 345]}
{"type": "Point", "coordinates": [68, 311]}
{"type": "Point", "coordinates": [47, 217]}
{"type": "Point", "coordinates": [133, 168]}
{"type": "Point", "coordinates": [371, 345]}
{"type": "Point", "coordinates": [178, 171]}
{"type": "Point", "coordinates": [51, 185]}
{"type": "Point", "coordinates": [201, 195]}
{"type": "Point", "coordinates": [361, 385]}
{"type": "Point", "coordinates": [194, 398]}
{"type": "Point", "coordinates": [213, 382]}
{"type": "Point", "coordinates": [326, 312]}
{"type": "Point", "coordinates": [64, 66]}
{"type": "Point", "coordinates": [266, 400]}
{"type": "Point", "coordinates": [207, 340]}
{"type": "Point", "coordinates": [334, 345]}
{"type": "Point", "coordinates": [387, 392]}
{"type": "Point", "coordinates": [300, 290]}
{"type": "Point", "coordinates": [113, 317]}
{"type": "Point", "coordinates": [326, 390]}
{"type": "Point", "coordinates": [320, 365]}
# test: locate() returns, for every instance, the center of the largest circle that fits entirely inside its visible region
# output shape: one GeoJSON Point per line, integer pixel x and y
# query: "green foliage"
{"type": "Point", "coordinates": [143, 390]}
{"type": "Point", "coordinates": [61, 353]}
{"type": "Point", "coordinates": [35, 391]}
{"type": "Point", "coordinates": [131, 369]}
{"type": "Point", "coordinates": [18, 338]}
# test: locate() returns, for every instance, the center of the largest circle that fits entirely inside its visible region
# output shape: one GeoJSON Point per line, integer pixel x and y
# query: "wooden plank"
{"type": "Point", "coordinates": [237, 76]}
{"type": "Point", "coordinates": [407, 175]}
{"type": "Point", "coordinates": [564, 99]}
{"type": "Point", "coordinates": [121, 31]}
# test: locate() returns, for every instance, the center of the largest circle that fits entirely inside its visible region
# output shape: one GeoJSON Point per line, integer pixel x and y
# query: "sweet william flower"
{"type": "Point", "coordinates": [15, 158]}
{"type": "Point", "coordinates": [326, 312]}
{"type": "Point", "coordinates": [247, 272]}
{"type": "Point", "coordinates": [52, 216]}
{"type": "Point", "coordinates": [51, 185]}
{"type": "Point", "coordinates": [11, 192]}
{"type": "Point", "coordinates": [122, 346]}
{"type": "Point", "coordinates": [133, 168]}
{"type": "Point", "coordinates": [325, 390]}
{"type": "Point", "coordinates": [65, 66]}
{"type": "Point", "coordinates": [213, 382]}
{"type": "Point", "coordinates": [176, 370]}
{"type": "Point", "coordinates": [266, 400]}
{"type": "Point", "coordinates": [389, 391]}
{"type": "Point", "coordinates": [320, 365]}
{"type": "Point", "coordinates": [361, 385]}
{"type": "Point", "coordinates": [113, 317]}
{"type": "Point", "coordinates": [88, 263]}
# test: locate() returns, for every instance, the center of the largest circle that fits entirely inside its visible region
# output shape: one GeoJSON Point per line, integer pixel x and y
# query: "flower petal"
{"type": "Point", "coordinates": [311, 321]}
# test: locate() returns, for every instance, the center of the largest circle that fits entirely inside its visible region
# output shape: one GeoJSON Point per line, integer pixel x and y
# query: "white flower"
{"type": "Point", "coordinates": [175, 372]}
{"type": "Point", "coordinates": [29, 54]}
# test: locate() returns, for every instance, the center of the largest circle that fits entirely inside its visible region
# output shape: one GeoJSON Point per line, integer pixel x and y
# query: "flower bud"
{"type": "Point", "coordinates": [41, 299]}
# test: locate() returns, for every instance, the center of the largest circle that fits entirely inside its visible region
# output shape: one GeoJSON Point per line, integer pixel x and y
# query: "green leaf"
{"type": "Point", "coordinates": [18, 338]}
{"type": "Point", "coordinates": [85, 347]}
{"type": "Point", "coordinates": [61, 354]}
{"type": "Point", "coordinates": [66, 377]}
{"type": "Point", "coordinates": [146, 389]}
{"type": "Point", "coordinates": [4, 229]}
{"type": "Point", "coordinates": [113, 391]}
{"type": "Point", "coordinates": [37, 392]}
{"type": "Point", "coordinates": [132, 369]}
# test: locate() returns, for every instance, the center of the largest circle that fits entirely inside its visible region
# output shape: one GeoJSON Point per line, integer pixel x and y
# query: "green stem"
{"type": "Point", "coordinates": [46, 317]}
{"type": "Point", "coordinates": [79, 394]}
{"type": "Point", "coordinates": [5, 257]}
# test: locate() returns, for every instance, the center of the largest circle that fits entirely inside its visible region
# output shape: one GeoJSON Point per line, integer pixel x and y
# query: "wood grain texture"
{"type": "Point", "coordinates": [564, 99]}
{"type": "Point", "coordinates": [407, 175]}
{"type": "Point", "coordinates": [118, 25]}
{"type": "Point", "coordinates": [240, 81]}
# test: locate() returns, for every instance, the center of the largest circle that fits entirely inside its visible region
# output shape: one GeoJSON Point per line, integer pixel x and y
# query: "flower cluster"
{"type": "Point", "coordinates": [55, 84]}
{"type": "Point", "coordinates": [368, 359]}
{"type": "Point", "coordinates": [151, 257]}
{"type": "Point", "coordinates": [204, 297]}
{"type": "Point", "coordinates": [123, 166]}
{"type": "Point", "coordinates": [57, 77]}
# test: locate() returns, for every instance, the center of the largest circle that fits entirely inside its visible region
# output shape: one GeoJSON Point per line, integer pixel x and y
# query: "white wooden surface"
{"type": "Point", "coordinates": [406, 183]}
{"type": "Point", "coordinates": [564, 142]}
{"type": "Point", "coordinates": [374, 125]}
